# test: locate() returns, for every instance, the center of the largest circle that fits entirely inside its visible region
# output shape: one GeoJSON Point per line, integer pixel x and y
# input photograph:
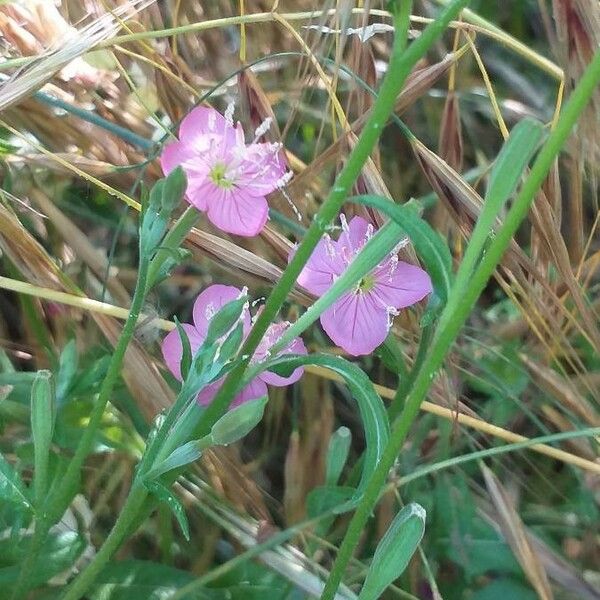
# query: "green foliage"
{"type": "Point", "coordinates": [394, 551]}
{"type": "Point", "coordinates": [372, 411]}
{"type": "Point", "coordinates": [58, 554]}
{"type": "Point", "coordinates": [12, 489]}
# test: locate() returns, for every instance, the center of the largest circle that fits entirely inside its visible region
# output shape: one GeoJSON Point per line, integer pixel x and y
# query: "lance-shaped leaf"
{"type": "Point", "coordinates": [394, 551]}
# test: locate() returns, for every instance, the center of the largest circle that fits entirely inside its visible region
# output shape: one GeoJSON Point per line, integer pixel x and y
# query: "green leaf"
{"type": "Point", "coordinates": [186, 356]}
{"type": "Point", "coordinates": [325, 498]}
{"type": "Point", "coordinates": [12, 489]}
{"type": "Point", "coordinates": [58, 554]}
{"type": "Point", "coordinates": [394, 551]}
{"type": "Point", "coordinates": [222, 322]}
{"type": "Point", "coordinates": [173, 190]}
{"type": "Point", "coordinates": [372, 410]}
{"type": "Point", "coordinates": [184, 455]}
{"type": "Point", "coordinates": [337, 454]}
{"type": "Point", "coordinates": [67, 369]}
{"type": "Point", "coordinates": [506, 173]}
{"type": "Point", "coordinates": [430, 246]}
{"type": "Point", "coordinates": [43, 415]}
{"type": "Point", "coordinates": [232, 343]}
{"type": "Point", "coordinates": [139, 579]}
{"type": "Point", "coordinates": [514, 156]}
{"type": "Point", "coordinates": [165, 495]}
{"type": "Point", "coordinates": [237, 423]}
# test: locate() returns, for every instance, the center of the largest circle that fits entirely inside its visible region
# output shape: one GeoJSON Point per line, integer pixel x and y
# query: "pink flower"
{"type": "Point", "coordinates": [206, 306]}
{"type": "Point", "coordinates": [361, 319]}
{"type": "Point", "coordinates": [227, 179]}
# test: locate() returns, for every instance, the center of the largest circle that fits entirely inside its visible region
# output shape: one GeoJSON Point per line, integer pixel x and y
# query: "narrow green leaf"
{"type": "Point", "coordinates": [237, 423]}
{"type": "Point", "coordinates": [394, 551]}
{"type": "Point", "coordinates": [230, 346]}
{"type": "Point", "coordinates": [507, 171]}
{"type": "Point", "coordinates": [514, 156]}
{"type": "Point", "coordinates": [12, 489]}
{"type": "Point", "coordinates": [165, 495]}
{"type": "Point", "coordinates": [225, 319]}
{"type": "Point", "coordinates": [58, 554]}
{"type": "Point", "coordinates": [140, 580]}
{"type": "Point", "coordinates": [173, 190]}
{"type": "Point", "coordinates": [337, 454]}
{"type": "Point", "coordinates": [43, 414]}
{"type": "Point", "coordinates": [184, 455]}
{"type": "Point", "coordinates": [186, 355]}
{"type": "Point", "coordinates": [372, 410]}
{"type": "Point", "coordinates": [325, 498]}
{"type": "Point", "coordinates": [67, 369]}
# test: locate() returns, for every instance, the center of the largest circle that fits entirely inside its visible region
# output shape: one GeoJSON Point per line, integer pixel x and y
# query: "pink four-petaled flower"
{"type": "Point", "coordinates": [360, 319]}
{"type": "Point", "coordinates": [206, 306]}
{"type": "Point", "coordinates": [227, 178]}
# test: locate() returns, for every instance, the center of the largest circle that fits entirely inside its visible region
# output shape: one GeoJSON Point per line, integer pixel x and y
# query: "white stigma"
{"type": "Point", "coordinates": [393, 265]}
{"type": "Point", "coordinates": [229, 112]}
{"type": "Point", "coordinates": [344, 222]}
{"type": "Point", "coordinates": [329, 247]}
{"type": "Point", "coordinates": [262, 128]}
{"type": "Point", "coordinates": [212, 120]}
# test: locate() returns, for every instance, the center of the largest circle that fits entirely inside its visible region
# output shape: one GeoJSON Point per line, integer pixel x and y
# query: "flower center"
{"type": "Point", "coordinates": [366, 284]}
{"type": "Point", "coordinates": [218, 175]}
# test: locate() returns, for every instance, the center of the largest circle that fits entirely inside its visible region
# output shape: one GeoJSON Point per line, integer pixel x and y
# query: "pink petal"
{"type": "Point", "coordinates": [405, 285]}
{"type": "Point", "coordinates": [356, 323]}
{"type": "Point", "coordinates": [297, 346]}
{"type": "Point", "coordinates": [356, 236]}
{"type": "Point", "coordinates": [201, 190]}
{"type": "Point", "coordinates": [255, 389]}
{"type": "Point", "coordinates": [210, 300]}
{"type": "Point", "coordinates": [238, 212]}
{"type": "Point", "coordinates": [261, 170]}
{"type": "Point", "coordinates": [205, 121]}
{"type": "Point", "coordinates": [207, 393]}
{"type": "Point", "coordinates": [172, 350]}
{"type": "Point", "coordinates": [174, 154]}
{"type": "Point", "coordinates": [323, 266]}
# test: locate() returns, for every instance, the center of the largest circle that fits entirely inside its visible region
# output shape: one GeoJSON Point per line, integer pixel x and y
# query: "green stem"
{"type": "Point", "coordinates": [115, 538]}
{"type": "Point", "coordinates": [59, 503]}
{"type": "Point", "coordinates": [406, 382]}
{"type": "Point", "coordinates": [64, 492]}
{"type": "Point", "coordinates": [41, 529]}
{"type": "Point", "coordinates": [402, 61]}
{"type": "Point", "coordinates": [455, 314]}
{"type": "Point", "coordinates": [172, 241]}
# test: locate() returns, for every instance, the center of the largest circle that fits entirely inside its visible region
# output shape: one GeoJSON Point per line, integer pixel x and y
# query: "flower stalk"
{"type": "Point", "coordinates": [456, 313]}
{"type": "Point", "coordinates": [402, 61]}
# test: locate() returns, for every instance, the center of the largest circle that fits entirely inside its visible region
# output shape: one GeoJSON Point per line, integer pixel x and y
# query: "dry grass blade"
{"type": "Point", "coordinates": [515, 535]}
{"type": "Point", "coordinates": [35, 75]}
{"type": "Point", "coordinates": [562, 390]}
{"type": "Point", "coordinates": [450, 145]}
{"type": "Point", "coordinates": [558, 569]}
{"type": "Point", "coordinates": [80, 243]}
{"type": "Point", "coordinates": [227, 254]}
